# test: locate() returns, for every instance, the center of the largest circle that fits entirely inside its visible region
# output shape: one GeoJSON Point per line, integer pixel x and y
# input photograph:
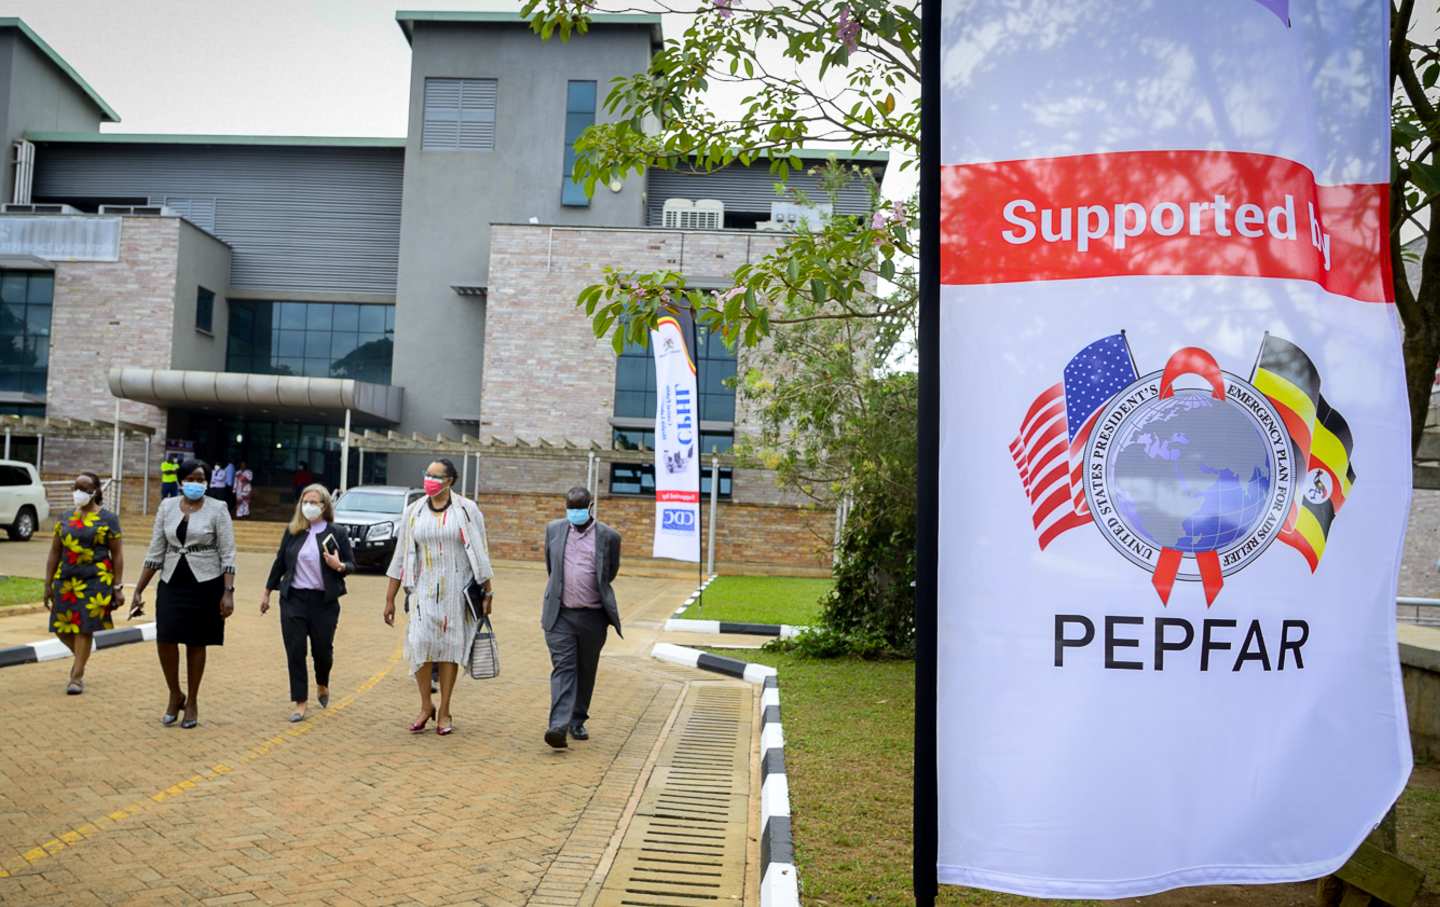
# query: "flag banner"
{"type": "Point", "coordinates": [677, 440]}
{"type": "Point", "coordinates": [1174, 444]}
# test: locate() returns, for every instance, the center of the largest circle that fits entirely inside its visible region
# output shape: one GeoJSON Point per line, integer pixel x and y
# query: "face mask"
{"type": "Point", "coordinates": [433, 486]}
{"type": "Point", "coordinates": [311, 511]}
{"type": "Point", "coordinates": [193, 490]}
{"type": "Point", "coordinates": [83, 498]}
{"type": "Point", "coordinates": [578, 516]}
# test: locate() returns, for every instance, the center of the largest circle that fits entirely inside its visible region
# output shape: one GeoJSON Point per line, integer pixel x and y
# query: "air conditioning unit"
{"type": "Point", "coordinates": [138, 210]}
{"type": "Point", "coordinates": [791, 215]}
{"type": "Point", "coordinates": [30, 208]}
{"type": "Point", "coordinates": [702, 214]}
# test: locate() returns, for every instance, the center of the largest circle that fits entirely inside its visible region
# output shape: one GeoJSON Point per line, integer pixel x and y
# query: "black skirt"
{"type": "Point", "coordinates": [187, 611]}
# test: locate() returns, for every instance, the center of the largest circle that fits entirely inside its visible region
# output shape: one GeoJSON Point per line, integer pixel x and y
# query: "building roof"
{"type": "Point", "coordinates": [106, 111]}
{"type": "Point", "coordinates": [407, 18]}
{"type": "Point", "coordinates": [161, 138]}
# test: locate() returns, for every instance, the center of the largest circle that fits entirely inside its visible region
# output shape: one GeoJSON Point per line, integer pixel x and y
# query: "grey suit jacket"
{"type": "Point", "coordinates": [209, 540]}
{"type": "Point", "coordinates": [607, 564]}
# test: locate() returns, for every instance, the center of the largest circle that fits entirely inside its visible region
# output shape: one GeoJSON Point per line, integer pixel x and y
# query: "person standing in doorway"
{"type": "Point", "coordinates": [193, 549]}
{"type": "Point", "coordinates": [441, 552]}
{"type": "Point", "coordinates": [302, 479]}
{"type": "Point", "coordinates": [582, 556]}
{"type": "Point", "coordinates": [169, 476]}
{"type": "Point", "coordinates": [221, 478]}
{"type": "Point", "coordinates": [309, 571]}
{"type": "Point", "coordinates": [83, 575]}
{"type": "Point", "coordinates": [244, 488]}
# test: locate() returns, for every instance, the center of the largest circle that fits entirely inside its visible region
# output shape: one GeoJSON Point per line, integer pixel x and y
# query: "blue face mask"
{"type": "Point", "coordinates": [193, 490]}
{"type": "Point", "coordinates": [578, 516]}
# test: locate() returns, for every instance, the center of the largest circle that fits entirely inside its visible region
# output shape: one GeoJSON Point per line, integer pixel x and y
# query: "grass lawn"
{"type": "Point", "coordinates": [762, 600]}
{"type": "Point", "coordinates": [848, 754]}
{"type": "Point", "coordinates": [21, 590]}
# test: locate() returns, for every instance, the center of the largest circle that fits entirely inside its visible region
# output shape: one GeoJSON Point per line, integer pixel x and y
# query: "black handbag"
{"type": "Point", "coordinates": [475, 596]}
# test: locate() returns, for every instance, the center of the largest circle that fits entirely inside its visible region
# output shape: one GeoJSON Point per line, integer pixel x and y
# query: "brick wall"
{"type": "Point", "coordinates": [746, 535]}
{"type": "Point", "coordinates": [546, 375]}
{"type": "Point", "coordinates": [111, 314]}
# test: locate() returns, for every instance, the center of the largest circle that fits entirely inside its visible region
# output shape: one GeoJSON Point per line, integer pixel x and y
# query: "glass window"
{"type": "Point", "coordinates": [346, 317]}
{"type": "Point", "coordinates": [317, 316]}
{"type": "Point", "coordinates": [579, 116]}
{"type": "Point", "coordinates": [313, 339]}
{"type": "Point", "coordinates": [292, 315]}
{"type": "Point", "coordinates": [371, 318]}
{"type": "Point", "coordinates": [715, 366]}
{"type": "Point", "coordinates": [25, 309]}
{"type": "Point", "coordinates": [13, 286]}
{"type": "Point", "coordinates": [42, 287]}
{"type": "Point", "coordinates": [639, 479]}
{"type": "Point", "coordinates": [204, 310]}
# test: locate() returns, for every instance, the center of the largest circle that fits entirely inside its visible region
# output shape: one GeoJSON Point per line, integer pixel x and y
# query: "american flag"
{"type": "Point", "coordinates": [1049, 448]}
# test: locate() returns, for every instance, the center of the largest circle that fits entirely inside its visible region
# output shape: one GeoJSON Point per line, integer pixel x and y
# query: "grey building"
{"type": "Point", "coordinates": [252, 293]}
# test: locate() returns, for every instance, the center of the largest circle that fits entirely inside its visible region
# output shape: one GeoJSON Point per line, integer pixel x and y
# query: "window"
{"type": "Point", "coordinates": [25, 306]}
{"type": "Point", "coordinates": [579, 116]}
{"type": "Point", "coordinates": [312, 339]}
{"type": "Point", "coordinates": [715, 365]}
{"type": "Point", "coordinates": [459, 115]}
{"type": "Point", "coordinates": [12, 476]}
{"type": "Point", "coordinates": [639, 479]}
{"type": "Point", "coordinates": [205, 310]}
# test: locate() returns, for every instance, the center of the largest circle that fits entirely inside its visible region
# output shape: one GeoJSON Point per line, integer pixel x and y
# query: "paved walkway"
{"type": "Point", "coordinates": [100, 804]}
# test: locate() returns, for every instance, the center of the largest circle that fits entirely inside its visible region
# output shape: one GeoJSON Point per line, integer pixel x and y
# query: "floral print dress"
{"type": "Point", "coordinates": [84, 582]}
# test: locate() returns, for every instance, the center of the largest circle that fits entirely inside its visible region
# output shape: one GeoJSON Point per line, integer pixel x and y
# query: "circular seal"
{"type": "Point", "coordinates": [1195, 471]}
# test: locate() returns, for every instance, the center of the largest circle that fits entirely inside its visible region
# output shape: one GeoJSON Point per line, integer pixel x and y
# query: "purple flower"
{"type": "Point", "coordinates": [724, 8]}
{"type": "Point", "coordinates": [847, 30]}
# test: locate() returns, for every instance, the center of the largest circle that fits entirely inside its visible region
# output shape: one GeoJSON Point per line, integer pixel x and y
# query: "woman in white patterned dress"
{"type": "Point", "coordinates": [441, 550]}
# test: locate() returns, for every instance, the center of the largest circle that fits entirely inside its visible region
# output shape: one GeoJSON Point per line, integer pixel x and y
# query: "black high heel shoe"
{"type": "Point", "coordinates": [169, 718]}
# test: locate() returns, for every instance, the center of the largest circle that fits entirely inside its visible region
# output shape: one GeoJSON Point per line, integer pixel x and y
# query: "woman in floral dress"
{"type": "Point", "coordinates": [85, 565]}
{"type": "Point", "coordinates": [244, 488]}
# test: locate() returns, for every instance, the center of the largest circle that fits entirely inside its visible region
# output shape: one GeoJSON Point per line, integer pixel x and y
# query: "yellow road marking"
{"type": "Point", "coordinates": [93, 827]}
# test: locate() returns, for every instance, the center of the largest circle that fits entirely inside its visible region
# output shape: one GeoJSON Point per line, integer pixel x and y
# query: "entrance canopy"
{"type": "Point", "coordinates": [277, 396]}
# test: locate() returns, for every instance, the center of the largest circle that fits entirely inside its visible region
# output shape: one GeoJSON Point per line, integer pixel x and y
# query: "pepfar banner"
{"type": "Point", "coordinates": [1174, 444]}
{"type": "Point", "coordinates": [677, 441]}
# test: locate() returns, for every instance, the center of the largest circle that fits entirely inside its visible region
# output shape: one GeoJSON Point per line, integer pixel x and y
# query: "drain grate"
{"type": "Point", "coordinates": [685, 846]}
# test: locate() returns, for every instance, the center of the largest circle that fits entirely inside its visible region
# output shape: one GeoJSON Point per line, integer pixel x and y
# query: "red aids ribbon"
{"type": "Point", "coordinates": [1190, 361]}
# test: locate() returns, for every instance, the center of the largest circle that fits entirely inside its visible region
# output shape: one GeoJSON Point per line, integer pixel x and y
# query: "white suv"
{"type": "Point", "coordinates": [23, 507]}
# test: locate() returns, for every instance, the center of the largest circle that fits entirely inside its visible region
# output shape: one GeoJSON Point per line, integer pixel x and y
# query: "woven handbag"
{"type": "Point", "coordinates": [484, 653]}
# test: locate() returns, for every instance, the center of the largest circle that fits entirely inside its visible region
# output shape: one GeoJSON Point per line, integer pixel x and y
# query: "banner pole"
{"type": "Point", "coordinates": [926, 818]}
{"type": "Point", "coordinates": [699, 452]}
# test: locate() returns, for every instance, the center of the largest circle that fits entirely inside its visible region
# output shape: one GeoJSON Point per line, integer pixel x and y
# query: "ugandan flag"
{"type": "Point", "coordinates": [1320, 438]}
{"type": "Point", "coordinates": [1327, 484]}
{"type": "Point", "coordinates": [1285, 375]}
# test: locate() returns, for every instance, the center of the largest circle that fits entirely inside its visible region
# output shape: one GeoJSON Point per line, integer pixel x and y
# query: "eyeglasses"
{"type": "Point", "coordinates": [439, 478]}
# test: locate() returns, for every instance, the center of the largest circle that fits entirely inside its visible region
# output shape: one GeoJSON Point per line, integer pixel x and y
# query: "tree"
{"type": "Point", "coordinates": [834, 422]}
{"type": "Point", "coordinates": [1414, 187]}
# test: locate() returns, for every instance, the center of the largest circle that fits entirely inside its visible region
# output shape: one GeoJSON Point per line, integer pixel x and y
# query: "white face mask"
{"type": "Point", "coordinates": [82, 498]}
{"type": "Point", "coordinates": [311, 511]}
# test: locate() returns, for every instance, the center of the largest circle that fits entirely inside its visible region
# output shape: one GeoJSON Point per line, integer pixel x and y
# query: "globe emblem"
{"type": "Point", "coordinates": [1191, 472]}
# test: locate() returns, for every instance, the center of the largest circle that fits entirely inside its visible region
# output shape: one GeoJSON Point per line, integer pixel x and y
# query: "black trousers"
{"type": "Point", "coordinates": [575, 645]}
{"type": "Point", "coordinates": [305, 614]}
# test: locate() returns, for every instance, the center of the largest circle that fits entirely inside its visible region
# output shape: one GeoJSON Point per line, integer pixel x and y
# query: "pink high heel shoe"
{"type": "Point", "coordinates": [419, 726]}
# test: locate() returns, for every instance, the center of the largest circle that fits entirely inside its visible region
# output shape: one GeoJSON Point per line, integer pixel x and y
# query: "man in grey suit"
{"type": "Point", "coordinates": [582, 556]}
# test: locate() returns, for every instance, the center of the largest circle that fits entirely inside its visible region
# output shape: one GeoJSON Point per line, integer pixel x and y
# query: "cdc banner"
{"type": "Point", "coordinates": [677, 441]}
{"type": "Point", "coordinates": [1174, 444]}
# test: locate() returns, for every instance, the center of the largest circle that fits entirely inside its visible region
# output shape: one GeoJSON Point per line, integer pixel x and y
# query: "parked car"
{"type": "Point", "coordinates": [23, 507]}
{"type": "Point", "coordinates": [370, 515]}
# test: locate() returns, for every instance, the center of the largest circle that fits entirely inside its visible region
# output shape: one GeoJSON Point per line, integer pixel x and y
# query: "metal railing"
{"type": "Point", "coordinates": [1424, 611]}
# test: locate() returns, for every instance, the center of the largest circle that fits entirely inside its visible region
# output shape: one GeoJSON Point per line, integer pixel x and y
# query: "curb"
{"type": "Point", "coordinates": [696, 594]}
{"type": "Point", "coordinates": [779, 883]}
{"type": "Point", "coordinates": [681, 625]}
{"type": "Point", "coordinates": [52, 649]}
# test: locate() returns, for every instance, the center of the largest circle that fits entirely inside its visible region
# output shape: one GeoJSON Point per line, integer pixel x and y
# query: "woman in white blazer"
{"type": "Point", "coordinates": [193, 549]}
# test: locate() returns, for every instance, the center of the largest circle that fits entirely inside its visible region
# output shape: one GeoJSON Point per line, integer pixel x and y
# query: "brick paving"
{"type": "Point", "coordinates": [99, 804]}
